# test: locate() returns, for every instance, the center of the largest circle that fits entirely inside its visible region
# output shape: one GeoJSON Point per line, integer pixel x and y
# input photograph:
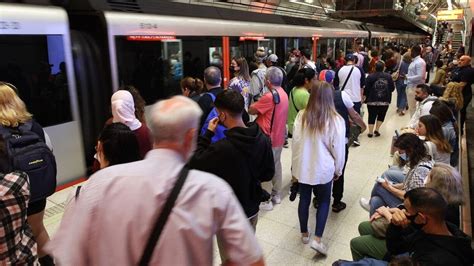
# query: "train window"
{"type": "Point", "coordinates": [155, 66]}
{"type": "Point", "coordinates": [35, 64]}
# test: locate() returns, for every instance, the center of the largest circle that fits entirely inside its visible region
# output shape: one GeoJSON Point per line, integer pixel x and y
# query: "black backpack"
{"type": "Point", "coordinates": [29, 153]}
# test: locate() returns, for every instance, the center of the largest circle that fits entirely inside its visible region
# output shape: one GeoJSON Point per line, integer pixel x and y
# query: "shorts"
{"type": "Point", "coordinates": [36, 207]}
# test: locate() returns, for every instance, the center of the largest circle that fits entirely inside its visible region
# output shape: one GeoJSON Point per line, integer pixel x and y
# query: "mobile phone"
{"type": "Point", "coordinates": [380, 179]}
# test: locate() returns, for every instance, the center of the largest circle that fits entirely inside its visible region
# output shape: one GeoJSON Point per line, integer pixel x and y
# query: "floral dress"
{"type": "Point", "coordinates": [243, 87]}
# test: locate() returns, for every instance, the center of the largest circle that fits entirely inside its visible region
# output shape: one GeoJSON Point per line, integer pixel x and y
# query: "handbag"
{"type": "Point", "coordinates": [396, 74]}
{"type": "Point", "coordinates": [163, 217]}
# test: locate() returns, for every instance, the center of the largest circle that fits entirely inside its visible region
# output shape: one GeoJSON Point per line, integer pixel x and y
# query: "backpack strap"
{"type": "Point", "coordinates": [293, 100]}
{"type": "Point", "coordinates": [347, 79]}
{"type": "Point", "coordinates": [163, 217]}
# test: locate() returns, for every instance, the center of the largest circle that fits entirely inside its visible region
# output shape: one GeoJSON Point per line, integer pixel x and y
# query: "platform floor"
{"type": "Point", "coordinates": [278, 230]}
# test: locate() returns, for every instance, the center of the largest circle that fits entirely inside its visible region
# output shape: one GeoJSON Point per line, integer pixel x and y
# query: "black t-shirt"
{"type": "Point", "coordinates": [465, 74]}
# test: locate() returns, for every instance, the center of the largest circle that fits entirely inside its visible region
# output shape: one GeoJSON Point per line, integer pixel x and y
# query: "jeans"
{"type": "Point", "coordinates": [394, 174]}
{"type": "Point", "coordinates": [275, 186]}
{"type": "Point", "coordinates": [382, 197]}
{"type": "Point", "coordinates": [401, 95]}
{"type": "Point", "coordinates": [367, 245]}
{"type": "Point", "coordinates": [324, 199]}
{"type": "Point", "coordinates": [338, 186]}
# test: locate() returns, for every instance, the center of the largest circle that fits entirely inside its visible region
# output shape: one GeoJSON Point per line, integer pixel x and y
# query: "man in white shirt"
{"type": "Point", "coordinates": [306, 60]}
{"type": "Point", "coordinates": [351, 79]}
{"type": "Point", "coordinates": [424, 103]}
{"type": "Point", "coordinates": [112, 218]}
{"type": "Point", "coordinates": [360, 56]}
{"type": "Point", "coordinates": [415, 76]}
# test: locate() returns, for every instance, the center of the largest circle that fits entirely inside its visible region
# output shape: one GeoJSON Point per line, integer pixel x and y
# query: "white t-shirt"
{"type": "Point", "coordinates": [347, 100]}
{"type": "Point", "coordinates": [353, 84]}
{"type": "Point", "coordinates": [310, 64]}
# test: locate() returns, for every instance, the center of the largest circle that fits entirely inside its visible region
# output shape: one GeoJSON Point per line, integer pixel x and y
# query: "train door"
{"type": "Point", "coordinates": [35, 52]}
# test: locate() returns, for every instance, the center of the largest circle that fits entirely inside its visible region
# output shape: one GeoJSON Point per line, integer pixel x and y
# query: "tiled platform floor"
{"type": "Point", "coordinates": [278, 230]}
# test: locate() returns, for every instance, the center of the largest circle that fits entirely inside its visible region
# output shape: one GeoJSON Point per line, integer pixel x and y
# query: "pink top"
{"type": "Point", "coordinates": [265, 108]}
{"type": "Point", "coordinates": [111, 220]}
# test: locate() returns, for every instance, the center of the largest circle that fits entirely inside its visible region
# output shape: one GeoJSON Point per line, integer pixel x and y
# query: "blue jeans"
{"type": "Point", "coordinates": [401, 95]}
{"type": "Point", "coordinates": [324, 199]}
{"type": "Point", "coordinates": [394, 174]}
{"type": "Point", "coordinates": [382, 197]}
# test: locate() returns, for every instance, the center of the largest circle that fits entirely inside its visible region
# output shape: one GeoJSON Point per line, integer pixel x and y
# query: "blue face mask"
{"type": "Point", "coordinates": [404, 156]}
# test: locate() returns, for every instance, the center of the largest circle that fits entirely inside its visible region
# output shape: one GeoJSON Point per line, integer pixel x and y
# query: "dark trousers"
{"type": "Point", "coordinates": [338, 185]}
{"type": "Point", "coordinates": [357, 106]}
{"type": "Point", "coordinates": [324, 199]}
{"type": "Point", "coordinates": [377, 113]}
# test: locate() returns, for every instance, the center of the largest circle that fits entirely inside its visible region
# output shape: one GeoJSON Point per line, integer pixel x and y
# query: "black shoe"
{"type": "Point", "coordinates": [370, 135]}
{"type": "Point", "coordinates": [293, 191]}
{"type": "Point", "coordinates": [285, 145]}
{"type": "Point", "coordinates": [376, 133]}
{"type": "Point", "coordinates": [315, 203]}
{"type": "Point", "coordinates": [356, 143]}
{"type": "Point", "coordinates": [338, 206]}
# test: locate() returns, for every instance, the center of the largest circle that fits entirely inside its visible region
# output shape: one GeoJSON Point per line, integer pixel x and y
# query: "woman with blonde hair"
{"type": "Point", "coordinates": [448, 182]}
{"type": "Point", "coordinates": [241, 81]}
{"type": "Point", "coordinates": [318, 154]}
{"type": "Point", "coordinates": [13, 113]}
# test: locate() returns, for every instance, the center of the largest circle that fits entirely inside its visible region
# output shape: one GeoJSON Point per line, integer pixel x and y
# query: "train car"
{"type": "Point", "coordinates": [35, 56]}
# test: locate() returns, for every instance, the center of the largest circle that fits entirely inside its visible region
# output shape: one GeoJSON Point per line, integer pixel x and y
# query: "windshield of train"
{"type": "Point", "coordinates": [35, 65]}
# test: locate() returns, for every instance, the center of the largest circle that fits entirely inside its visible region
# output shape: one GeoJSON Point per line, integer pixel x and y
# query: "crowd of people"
{"type": "Point", "coordinates": [207, 162]}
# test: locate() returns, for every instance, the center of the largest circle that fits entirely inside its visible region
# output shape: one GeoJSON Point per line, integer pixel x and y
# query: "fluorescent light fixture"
{"type": "Point", "coordinates": [433, 16]}
{"type": "Point", "coordinates": [450, 4]}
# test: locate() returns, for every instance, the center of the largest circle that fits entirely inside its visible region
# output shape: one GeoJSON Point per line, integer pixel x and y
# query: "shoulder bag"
{"type": "Point", "coordinates": [163, 217]}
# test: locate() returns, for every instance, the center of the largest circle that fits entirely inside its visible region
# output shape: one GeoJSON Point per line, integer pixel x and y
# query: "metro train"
{"type": "Point", "coordinates": [66, 62]}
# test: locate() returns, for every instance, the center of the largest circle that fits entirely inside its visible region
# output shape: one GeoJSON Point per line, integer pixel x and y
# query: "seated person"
{"type": "Point", "coordinates": [430, 129]}
{"type": "Point", "coordinates": [421, 230]}
{"type": "Point", "coordinates": [371, 242]}
{"type": "Point", "coordinates": [423, 106]}
{"type": "Point", "coordinates": [414, 154]}
{"type": "Point", "coordinates": [450, 128]}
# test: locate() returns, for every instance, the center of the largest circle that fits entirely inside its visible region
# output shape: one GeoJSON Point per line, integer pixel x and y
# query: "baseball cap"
{"type": "Point", "coordinates": [349, 57]}
{"type": "Point", "coordinates": [327, 75]}
{"type": "Point", "coordinates": [272, 58]}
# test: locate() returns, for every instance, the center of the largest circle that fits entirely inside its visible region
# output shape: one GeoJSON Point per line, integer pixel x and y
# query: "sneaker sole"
{"type": "Point", "coordinates": [320, 252]}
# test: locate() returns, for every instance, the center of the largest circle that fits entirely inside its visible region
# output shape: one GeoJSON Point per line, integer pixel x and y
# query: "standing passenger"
{"type": "Point", "coordinates": [317, 157]}
{"type": "Point", "coordinates": [119, 206]}
{"type": "Point", "coordinates": [401, 85]}
{"type": "Point", "coordinates": [378, 92]}
{"type": "Point", "coordinates": [257, 83]}
{"type": "Point", "coordinates": [243, 159]}
{"type": "Point", "coordinates": [415, 76]}
{"type": "Point", "coordinates": [13, 114]}
{"type": "Point", "coordinates": [272, 112]}
{"type": "Point", "coordinates": [123, 111]}
{"type": "Point", "coordinates": [241, 81]}
{"type": "Point", "coordinates": [192, 88]}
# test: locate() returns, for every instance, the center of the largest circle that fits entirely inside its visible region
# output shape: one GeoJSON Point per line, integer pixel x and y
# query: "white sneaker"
{"type": "Point", "coordinates": [305, 239]}
{"type": "Point", "coordinates": [276, 199]}
{"type": "Point", "coordinates": [319, 247]}
{"type": "Point", "coordinates": [266, 205]}
{"type": "Point", "coordinates": [365, 204]}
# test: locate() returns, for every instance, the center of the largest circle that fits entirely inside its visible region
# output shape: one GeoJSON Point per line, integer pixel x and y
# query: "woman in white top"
{"type": "Point", "coordinates": [437, 146]}
{"type": "Point", "coordinates": [318, 153]}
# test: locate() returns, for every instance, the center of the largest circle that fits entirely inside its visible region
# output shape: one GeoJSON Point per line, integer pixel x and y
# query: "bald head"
{"type": "Point", "coordinates": [465, 60]}
{"type": "Point", "coordinates": [171, 119]}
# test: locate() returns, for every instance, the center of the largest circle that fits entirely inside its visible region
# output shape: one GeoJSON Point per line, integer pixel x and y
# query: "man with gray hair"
{"type": "Point", "coordinates": [212, 81]}
{"type": "Point", "coordinates": [272, 112]}
{"type": "Point", "coordinates": [118, 208]}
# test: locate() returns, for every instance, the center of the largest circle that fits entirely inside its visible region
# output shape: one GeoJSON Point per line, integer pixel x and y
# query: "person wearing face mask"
{"type": "Point", "coordinates": [241, 81]}
{"type": "Point", "coordinates": [421, 230]}
{"type": "Point", "coordinates": [117, 201]}
{"type": "Point", "coordinates": [414, 155]}
{"type": "Point", "coordinates": [243, 159]}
